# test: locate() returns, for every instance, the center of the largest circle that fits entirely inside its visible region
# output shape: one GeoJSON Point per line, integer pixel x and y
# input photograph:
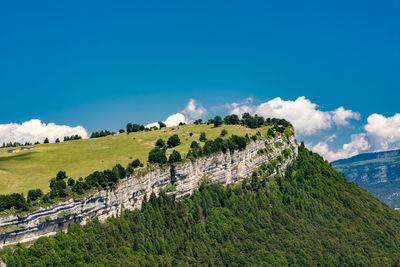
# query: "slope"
{"type": "Point", "coordinates": [311, 216]}
{"type": "Point", "coordinates": [22, 171]}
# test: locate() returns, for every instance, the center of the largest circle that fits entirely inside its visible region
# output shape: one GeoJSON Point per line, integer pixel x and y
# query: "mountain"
{"type": "Point", "coordinates": [309, 215]}
{"type": "Point", "coordinates": [379, 173]}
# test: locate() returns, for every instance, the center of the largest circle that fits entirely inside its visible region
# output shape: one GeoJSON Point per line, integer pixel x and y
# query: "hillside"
{"type": "Point", "coordinates": [379, 173]}
{"type": "Point", "coordinates": [22, 171]}
{"type": "Point", "coordinates": [310, 216]}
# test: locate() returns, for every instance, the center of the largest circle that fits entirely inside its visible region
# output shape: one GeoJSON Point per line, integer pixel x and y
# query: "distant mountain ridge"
{"type": "Point", "coordinates": [378, 172]}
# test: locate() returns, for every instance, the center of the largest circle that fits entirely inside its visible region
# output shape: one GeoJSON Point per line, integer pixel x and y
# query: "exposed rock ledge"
{"type": "Point", "coordinates": [223, 168]}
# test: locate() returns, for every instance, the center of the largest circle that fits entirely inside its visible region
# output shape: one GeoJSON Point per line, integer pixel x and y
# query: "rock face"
{"type": "Point", "coordinates": [180, 180]}
{"type": "Point", "coordinates": [378, 173]}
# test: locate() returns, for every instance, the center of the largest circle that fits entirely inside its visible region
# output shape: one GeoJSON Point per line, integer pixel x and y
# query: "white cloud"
{"type": "Point", "coordinates": [35, 130]}
{"type": "Point", "coordinates": [342, 116]}
{"type": "Point", "coordinates": [357, 145]}
{"type": "Point", "coordinates": [172, 120]}
{"type": "Point", "coordinates": [193, 110]}
{"type": "Point", "coordinates": [384, 132]}
{"type": "Point", "coordinates": [302, 113]}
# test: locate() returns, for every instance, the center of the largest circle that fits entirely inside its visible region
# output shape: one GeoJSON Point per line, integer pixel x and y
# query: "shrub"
{"type": "Point", "coordinates": [203, 137]}
{"type": "Point", "coordinates": [160, 143]}
{"type": "Point", "coordinates": [136, 163]}
{"type": "Point", "coordinates": [173, 141]}
{"type": "Point", "coordinates": [34, 194]}
{"type": "Point", "coordinates": [175, 157]}
{"type": "Point", "coordinates": [231, 119]}
{"type": "Point", "coordinates": [224, 132]}
{"type": "Point", "coordinates": [217, 121]}
{"type": "Point", "coordinates": [157, 155]}
{"type": "Point", "coordinates": [61, 175]}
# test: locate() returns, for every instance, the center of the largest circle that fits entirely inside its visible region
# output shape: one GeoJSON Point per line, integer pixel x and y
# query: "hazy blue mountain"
{"type": "Point", "coordinates": [379, 173]}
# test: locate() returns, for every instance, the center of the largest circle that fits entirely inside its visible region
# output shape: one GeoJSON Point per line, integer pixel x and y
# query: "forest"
{"type": "Point", "coordinates": [310, 215]}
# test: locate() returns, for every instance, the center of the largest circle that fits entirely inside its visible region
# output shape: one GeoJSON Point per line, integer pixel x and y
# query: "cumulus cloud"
{"type": "Point", "coordinates": [302, 113]}
{"type": "Point", "coordinates": [357, 145]}
{"type": "Point", "coordinates": [384, 132]}
{"type": "Point", "coordinates": [342, 116]}
{"type": "Point", "coordinates": [193, 110]}
{"type": "Point", "coordinates": [35, 130]}
{"type": "Point", "coordinates": [172, 120]}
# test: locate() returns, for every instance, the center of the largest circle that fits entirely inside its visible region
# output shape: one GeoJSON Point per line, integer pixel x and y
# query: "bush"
{"type": "Point", "coordinates": [175, 157]}
{"type": "Point", "coordinates": [61, 175]}
{"type": "Point", "coordinates": [161, 124]}
{"type": "Point", "coordinates": [136, 163]}
{"type": "Point", "coordinates": [157, 155]}
{"type": "Point", "coordinates": [194, 144]}
{"type": "Point", "coordinates": [34, 194]}
{"type": "Point", "coordinates": [71, 182]}
{"type": "Point", "coordinates": [217, 121]}
{"type": "Point", "coordinates": [224, 132]}
{"type": "Point", "coordinates": [173, 141]}
{"type": "Point", "coordinates": [231, 119]}
{"type": "Point", "coordinates": [160, 143]}
{"type": "Point", "coordinates": [203, 137]}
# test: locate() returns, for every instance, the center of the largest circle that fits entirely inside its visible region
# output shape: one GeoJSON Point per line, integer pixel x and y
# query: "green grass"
{"type": "Point", "coordinates": [22, 171]}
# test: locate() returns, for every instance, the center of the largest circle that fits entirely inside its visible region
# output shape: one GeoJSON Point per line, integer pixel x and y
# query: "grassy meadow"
{"type": "Point", "coordinates": [22, 171]}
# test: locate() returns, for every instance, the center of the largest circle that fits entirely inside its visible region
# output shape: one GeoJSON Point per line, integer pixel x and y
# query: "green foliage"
{"type": "Point", "coordinates": [34, 194]}
{"type": "Point", "coordinates": [96, 134]}
{"type": "Point", "coordinates": [231, 119]}
{"type": "Point", "coordinates": [46, 141]}
{"type": "Point", "coordinates": [134, 127]}
{"type": "Point", "coordinates": [311, 216]}
{"type": "Point", "coordinates": [15, 200]}
{"type": "Point", "coordinates": [161, 124]}
{"type": "Point", "coordinates": [217, 121]}
{"type": "Point", "coordinates": [160, 143]}
{"type": "Point", "coordinates": [223, 133]}
{"type": "Point", "coordinates": [157, 155]}
{"type": "Point", "coordinates": [136, 163]}
{"type": "Point", "coordinates": [203, 137]}
{"type": "Point", "coordinates": [61, 175]}
{"type": "Point", "coordinates": [173, 141]}
{"type": "Point", "coordinates": [174, 157]}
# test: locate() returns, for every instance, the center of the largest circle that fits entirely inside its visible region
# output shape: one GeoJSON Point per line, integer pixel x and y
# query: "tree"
{"type": "Point", "coordinates": [217, 121]}
{"type": "Point", "coordinates": [175, 157]}
{"type": "Point", "coordinates": [121, 130]}
{"type": "Point", "coordinates": [57, 140]}
{"type": "Point", "coordinates": [136, 163]}
{"type": "Point", "coordinates": [203, 137]}
{"type": "Point", "coordinates": [34, 194]}
{"type": "Point", "coordinates": [61, 175]}
{"type": "Point", "coordinates": [162, 125]}
{"type": "Point", "coordinates": [224, 132]}
{"type": "Point", "coordinates": [160, 143]}
{"type": "Point", "coordinates": [71, 182]}
{"type": "Point", "coordinates": [46, 141]}
{"type": "Point", "coordinates": [129, 127]}
{"type": "Point", "coordinates": [194, 144]}
{"type": "Point", "coordinates": [199, 121]}
{"type": "Point", "coordinates": [231, 119]}
{"type": "Point", "coordinates": [157, 155]}
{"type": "Point", "coordinates": [173, 141]}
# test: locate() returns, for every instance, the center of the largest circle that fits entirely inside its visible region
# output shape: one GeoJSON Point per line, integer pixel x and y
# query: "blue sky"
{"type": "Point", "coordinates": [100, 64]}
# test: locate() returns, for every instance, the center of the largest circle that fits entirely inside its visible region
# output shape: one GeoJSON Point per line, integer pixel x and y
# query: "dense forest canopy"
{"type": "Point", "coordinates": [308, 216]}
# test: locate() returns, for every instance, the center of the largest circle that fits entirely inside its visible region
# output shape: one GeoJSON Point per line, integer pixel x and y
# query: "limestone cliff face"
{"type": "Point", "coordinates": [224, 168]}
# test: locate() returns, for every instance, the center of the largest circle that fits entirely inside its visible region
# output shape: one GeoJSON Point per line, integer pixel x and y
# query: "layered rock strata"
{"type": "Point", "coordinates": [180, 180]}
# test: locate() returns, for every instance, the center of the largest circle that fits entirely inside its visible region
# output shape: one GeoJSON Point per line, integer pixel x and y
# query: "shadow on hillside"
{"type": "Point", "coordinates": [20, 156]}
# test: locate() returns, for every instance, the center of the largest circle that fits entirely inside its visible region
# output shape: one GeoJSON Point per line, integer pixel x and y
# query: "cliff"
{"type": "Point", "coordinates": [180, 180]}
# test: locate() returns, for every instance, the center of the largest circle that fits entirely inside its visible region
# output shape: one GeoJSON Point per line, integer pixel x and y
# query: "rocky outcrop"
{"type": "Point", "coordinates": [180, 180]}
